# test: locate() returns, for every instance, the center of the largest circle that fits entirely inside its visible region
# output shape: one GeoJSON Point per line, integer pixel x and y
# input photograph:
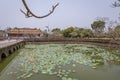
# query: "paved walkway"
{"type": "Point", "coordinates": [8, 42]}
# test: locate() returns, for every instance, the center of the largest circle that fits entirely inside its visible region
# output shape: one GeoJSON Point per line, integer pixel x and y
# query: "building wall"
{"type": "Point", "coordinates": [24, 33]}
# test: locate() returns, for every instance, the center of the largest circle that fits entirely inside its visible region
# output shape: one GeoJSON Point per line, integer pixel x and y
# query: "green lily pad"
{"type": "Point", "coordinates": [51, 58]}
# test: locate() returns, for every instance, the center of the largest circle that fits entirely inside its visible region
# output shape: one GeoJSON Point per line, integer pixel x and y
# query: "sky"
{"type": "Point", "coordinates": [76, 13]}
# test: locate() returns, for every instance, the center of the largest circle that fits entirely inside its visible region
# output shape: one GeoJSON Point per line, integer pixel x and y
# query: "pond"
{"type": "Point", "coordinates": [64, 62]}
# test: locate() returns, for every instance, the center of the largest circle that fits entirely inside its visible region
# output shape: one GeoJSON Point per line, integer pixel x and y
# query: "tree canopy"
{"type": "Point", "coordinates": [98, 25]}
{"type": "Point", "coordinates": [77, 32]}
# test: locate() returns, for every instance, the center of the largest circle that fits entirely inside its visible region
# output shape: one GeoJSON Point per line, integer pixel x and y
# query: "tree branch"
{"type": "Point", "coordinates": [29, 13]}
{"type": "Point", "coordinates": [116, 3]}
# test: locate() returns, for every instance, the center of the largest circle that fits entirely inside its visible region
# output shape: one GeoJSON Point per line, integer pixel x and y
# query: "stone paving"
{"type": "Point", "coordinates": [6, 43]}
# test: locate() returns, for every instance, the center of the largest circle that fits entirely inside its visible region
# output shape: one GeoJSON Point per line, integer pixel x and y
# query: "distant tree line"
{"type": "Point", "coordinates": [99, 29]}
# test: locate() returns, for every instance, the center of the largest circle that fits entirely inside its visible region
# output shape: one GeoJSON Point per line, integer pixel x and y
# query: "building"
{"type": "Point", "coordinates": [24, 33]}
{"type": "Point", "coordinates": [2, 35]}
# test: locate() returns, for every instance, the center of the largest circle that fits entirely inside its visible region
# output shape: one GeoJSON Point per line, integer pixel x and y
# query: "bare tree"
{"type": "Point", "coordinates": [116, 3]}
{"type": "Point", "coordinates": [29, 13]}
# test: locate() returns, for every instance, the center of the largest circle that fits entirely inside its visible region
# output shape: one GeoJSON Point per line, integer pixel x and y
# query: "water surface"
{"type": "Point", "coordinates": [64, 62]}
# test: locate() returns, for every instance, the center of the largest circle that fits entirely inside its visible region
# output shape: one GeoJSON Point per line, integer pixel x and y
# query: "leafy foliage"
{"type": "Point", "coordinates": [98, 25]}
{"type": "Point", "coordinates": [77, 32]}
{"type": "Point", "coordinates": [117, 31]}
{"type": "Point", "coordinates": [66, 32]}
{"type": "Point", "coordinates": [56, 30]}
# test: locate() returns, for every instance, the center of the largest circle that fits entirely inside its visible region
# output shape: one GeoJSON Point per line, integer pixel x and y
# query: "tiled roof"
{"type": "Point", "coordinates": [24, 31]}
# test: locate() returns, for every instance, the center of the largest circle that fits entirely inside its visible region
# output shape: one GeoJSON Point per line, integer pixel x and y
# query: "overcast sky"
{"type": "Point", "coordinates": [78, 13]}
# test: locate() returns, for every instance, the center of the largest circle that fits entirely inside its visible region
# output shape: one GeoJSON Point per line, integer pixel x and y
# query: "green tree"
{"type": "Point", "coordinates": [66, 32]}
{"type": "Point", "coordinates": [80, 32]}
{"type": "Point", "coordinates": [76, 32]}
{"type": "Point", "coordinates": [88, 33]}
{"type": "Point", "coordinates": [56, 30]}
{"type": "Point", "coordinates": [73, 34]}
{"type": "Point", "coordinates": [117, 31]}
{"type": "Point", "coordinates": [98, 25]}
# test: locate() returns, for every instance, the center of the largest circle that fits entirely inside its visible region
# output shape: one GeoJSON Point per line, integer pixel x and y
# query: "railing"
{"type": "Point", "coordinates": [109, 43]}
{"type": "Point", "coordinates": [6, 43]}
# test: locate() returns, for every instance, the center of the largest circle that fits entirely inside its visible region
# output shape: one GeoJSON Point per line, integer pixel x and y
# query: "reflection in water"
{"type": "Point", "coordinates": [64, 62]}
